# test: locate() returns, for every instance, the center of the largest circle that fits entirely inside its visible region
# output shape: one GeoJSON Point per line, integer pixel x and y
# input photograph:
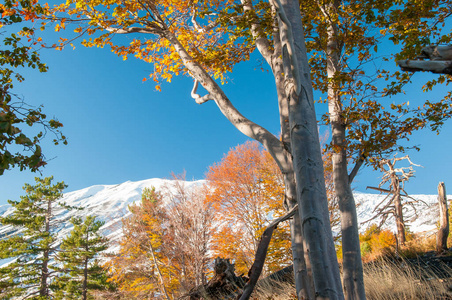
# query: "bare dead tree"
{"type": "Point", "coordinates": [443, 232]}
{"type": "Point", "coordinates": [189, 219]}
{"type": "Point", "coordinates": [393, 203]}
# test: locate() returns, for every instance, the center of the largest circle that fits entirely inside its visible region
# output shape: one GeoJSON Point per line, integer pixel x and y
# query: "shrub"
{"type": "Point", "coordinates": [376, 242]}
{"type": "Point", "coordinates": [418, 244]}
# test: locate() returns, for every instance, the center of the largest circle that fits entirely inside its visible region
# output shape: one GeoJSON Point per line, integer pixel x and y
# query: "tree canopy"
{"type": "Point", "coordinates": [17, 146]}
{"type": "Point", "coordinates": [205, 39]}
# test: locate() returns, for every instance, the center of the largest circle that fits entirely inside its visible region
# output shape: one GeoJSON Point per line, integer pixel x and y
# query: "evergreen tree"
{"type": "Point", "coordinates": [81, 270]}
{"type": "Point", "coordinates": [30, 251]}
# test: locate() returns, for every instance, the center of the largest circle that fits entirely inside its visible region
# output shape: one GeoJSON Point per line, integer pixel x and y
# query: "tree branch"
{"type": "Point", "coordinates": [261, 253]}
{"type": "Point", "coordinates": [270, 142]}
{"type": "Point", "coordinates": [358, 164]}
{"type": "Point", "coordinates": [380, 189]}
{"type": "Point", "coordinates": [438, 67]}
{"type": "Point", "coordinates": [198, 27]}
{"type": "Point", "coordinates": [262, 43]}
{"type": "Point", "coordinates": [197, 97]}
{"type": "Point", "coordinates": [131, 30]}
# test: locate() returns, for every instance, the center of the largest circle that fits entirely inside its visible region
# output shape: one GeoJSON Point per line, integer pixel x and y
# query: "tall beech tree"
{"type": "Point", "coordinates": [199, 39]}
{"type": "Point", "coordinates": [343, 38]}
{"type": "Point", "coordinates": [79, 251]}
{"type": "Point", "coordinates": [29, 273]}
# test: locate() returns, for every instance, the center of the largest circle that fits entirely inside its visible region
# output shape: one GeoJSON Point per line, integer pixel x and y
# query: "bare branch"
{"type": "Point", "coordinates": [356, 168]}
{"type": "Point", "coordinates": [197, 97]}
{"type": "Point", "coordinates": [379, 189]}
{"type": "Point", "coordinates": [261, 253]}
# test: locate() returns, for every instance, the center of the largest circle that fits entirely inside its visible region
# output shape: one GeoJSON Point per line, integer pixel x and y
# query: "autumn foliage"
{"type": "Point", "coordinates": [134, 269]}
{"type": "Point", "coordinates": [164, 247]}
{"type": "Point", "coordinates": [173, 235]}
{"type": "Point", "coordinates": [376, 242]}
{"type": "Point", "coordinates": [246, 192]}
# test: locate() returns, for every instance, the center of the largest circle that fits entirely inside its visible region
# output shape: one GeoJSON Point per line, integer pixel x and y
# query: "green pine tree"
{"type": "Point", "coordinates": [78, 255]}
{"type": "Point", "coordinates": [32, 248]}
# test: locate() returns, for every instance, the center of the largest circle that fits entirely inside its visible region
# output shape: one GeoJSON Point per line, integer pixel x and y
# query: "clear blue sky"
{"type": "Point", "coordinates": [120, 128]}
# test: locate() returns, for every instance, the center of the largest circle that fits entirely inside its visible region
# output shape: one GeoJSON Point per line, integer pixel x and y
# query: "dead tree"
{"type": "Point", "coordinates": [392, 204]}
{"type": "Point", "coordinates": [435, 59]}
{"type": "Point", "coordinates": [443, 232]}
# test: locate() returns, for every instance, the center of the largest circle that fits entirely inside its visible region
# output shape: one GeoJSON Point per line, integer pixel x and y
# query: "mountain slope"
{"type": "Point", "coordinates": [110, 204]}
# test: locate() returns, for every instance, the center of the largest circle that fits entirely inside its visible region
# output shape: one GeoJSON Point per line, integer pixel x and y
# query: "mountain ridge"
{"type": "Point", "coordinates": [110, 204]}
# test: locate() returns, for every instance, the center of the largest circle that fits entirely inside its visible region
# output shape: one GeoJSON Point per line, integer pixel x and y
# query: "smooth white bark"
{"type": "Point", "coordinates": [307, 158]}
{"type": "Point", "coordinates": [352, 268]}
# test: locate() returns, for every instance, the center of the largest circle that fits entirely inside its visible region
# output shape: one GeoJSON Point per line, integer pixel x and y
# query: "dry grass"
{"type": "Point", "coordinates": [418, 244]}
{"type": "Point", "coordinates": [274, 290]}
{"type": "Point", "coordinates": [384, 280]}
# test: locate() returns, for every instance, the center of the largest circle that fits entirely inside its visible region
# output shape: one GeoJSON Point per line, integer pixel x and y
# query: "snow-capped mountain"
{"type": "Point", "coordinates": [110, 204]}
{"type": "Point", "coordinates": [421, 217]}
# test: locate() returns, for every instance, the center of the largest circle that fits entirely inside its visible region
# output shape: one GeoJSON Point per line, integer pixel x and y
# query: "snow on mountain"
{"type": "Point", "coordinates": [110, 204]}
{"type": "Point", "coordinates": [421, 217]}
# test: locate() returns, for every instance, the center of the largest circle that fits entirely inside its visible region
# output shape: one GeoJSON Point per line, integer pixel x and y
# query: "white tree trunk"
{"type": "Point", "coordinates": [302, 271]}
{"type": "Point", "coordinates": [302, 268]}
{"type": "Point", "coordinates": [307, 159]}
{"type": "Point", "coordinates": [443, 232]}
{"type": "Point", "coordinates": [353, 279]}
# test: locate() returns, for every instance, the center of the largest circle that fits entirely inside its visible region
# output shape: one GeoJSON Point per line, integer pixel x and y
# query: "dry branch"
{"type": "Point", "coordinates": [261, 253]}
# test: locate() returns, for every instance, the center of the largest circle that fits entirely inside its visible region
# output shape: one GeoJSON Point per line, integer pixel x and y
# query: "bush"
{"type": "Point", "coordinates": [376, 242]}
{"type": "Point", "coordinates": [418, 244]}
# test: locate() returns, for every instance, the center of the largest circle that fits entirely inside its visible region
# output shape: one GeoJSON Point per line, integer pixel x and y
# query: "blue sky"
{"type": "Point", "coordinates": [120, 128]}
